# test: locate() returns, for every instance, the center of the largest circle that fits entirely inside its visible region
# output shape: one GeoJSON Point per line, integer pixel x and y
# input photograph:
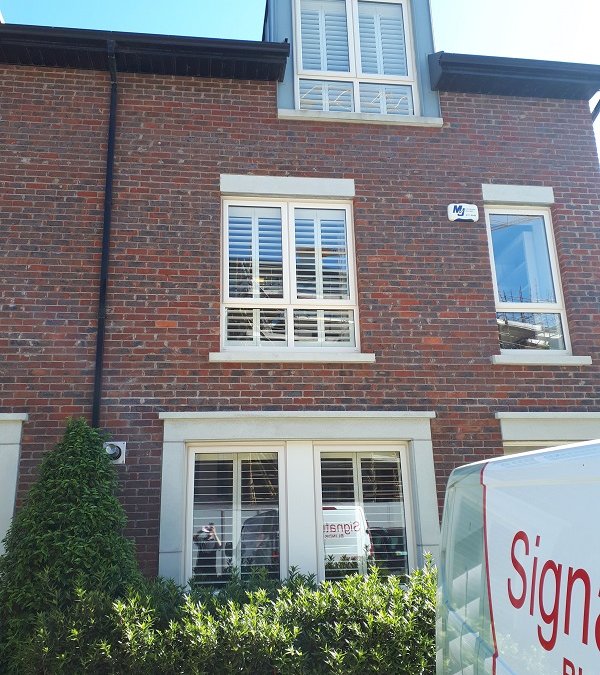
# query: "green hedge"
{"type": "Point", "coordinates": [359, 625]}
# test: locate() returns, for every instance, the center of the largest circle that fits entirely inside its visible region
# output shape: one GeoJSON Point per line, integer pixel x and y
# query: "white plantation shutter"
{"type": "Point", "coordinates": [323, 95]}
{"type": "Point", "coordinates": [386, 99]}
{"type": "Point", "coordinates": [371, 483]}
{"type": "Point", "coordinates": [324, 327]}
{"type": "Point", "coordinates": [238, 495]}
{"type": "Point", "coordinates": [255, 252]}
{"type": "Point", "coordinates": [324, 35]}
{"type": "Point", "coordinates": [255, 326]}
{"type": "Point", "coordinates": [382, 39]}
{"type": "Point", "coordinates": [321, 254]}
{"type": "Point", "coordinates": [288, 289]}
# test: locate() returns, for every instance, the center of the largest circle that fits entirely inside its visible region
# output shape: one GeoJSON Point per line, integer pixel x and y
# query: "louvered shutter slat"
{"type": "Point", "coordinates": [270, 272]}
{"type": "Point", "coordinates": [240, 253]}
{"type": "Point", "coordinates": [338, 327]}
{"type": "Point", "coordinates": [325, 95]}
{"type": "Point", "coordinates": [324, 36]}
{"type": "Point", "coordinates": [238, 496]}
{"type": "Point", "coordinates": [311, 40]}
{"type": "Point", "coordinates": [382, 39]}
{"type": "Point", "coordinates": [386, 99]}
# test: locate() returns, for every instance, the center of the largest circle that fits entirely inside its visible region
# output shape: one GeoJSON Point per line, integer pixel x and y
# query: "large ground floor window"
{"type": "Point", "coordinates": [364, 515]}
{"type": "Point", "coordinates": [235, 515]}
{"type": "Point", "coordinates": [327, 494]}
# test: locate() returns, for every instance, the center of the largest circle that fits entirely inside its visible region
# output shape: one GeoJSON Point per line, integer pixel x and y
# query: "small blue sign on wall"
{"type": "Point", "coordinates": [463, 213]}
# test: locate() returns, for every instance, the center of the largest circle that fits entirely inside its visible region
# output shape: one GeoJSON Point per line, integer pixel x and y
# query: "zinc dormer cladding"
{"type": "Point", "coordinates": [362, 57]}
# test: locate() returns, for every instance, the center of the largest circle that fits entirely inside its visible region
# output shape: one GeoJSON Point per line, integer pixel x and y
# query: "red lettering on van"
{"type": "Point", "coordinates": [546, 594]}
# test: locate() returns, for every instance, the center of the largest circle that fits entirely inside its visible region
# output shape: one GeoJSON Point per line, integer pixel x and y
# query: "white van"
{"type": "Point", "coordinates": [519, 574]}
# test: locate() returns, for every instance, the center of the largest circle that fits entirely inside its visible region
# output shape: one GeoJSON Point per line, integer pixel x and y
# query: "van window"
{"type": "Point", "coordinates": [464, 628]}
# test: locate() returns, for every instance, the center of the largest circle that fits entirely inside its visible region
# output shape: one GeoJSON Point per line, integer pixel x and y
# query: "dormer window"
{"type": "Point", "coordinates": [355, 56]}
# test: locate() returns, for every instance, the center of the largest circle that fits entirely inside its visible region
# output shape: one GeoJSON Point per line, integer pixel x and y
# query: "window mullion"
{"type": "Point", "coordinates": [323, 39]}
{"type": "Point", "coordinates": [255, 256]}
{"type": "Point", "coordinates": [236, 515]}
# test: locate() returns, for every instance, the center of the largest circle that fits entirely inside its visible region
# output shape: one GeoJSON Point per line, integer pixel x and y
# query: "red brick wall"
{"type": "Point", "coordinates": [425, 288]}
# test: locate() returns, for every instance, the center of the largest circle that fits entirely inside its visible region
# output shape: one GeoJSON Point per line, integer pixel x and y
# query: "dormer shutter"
{"type": "Point", "coordinates": [382, 40]}
{"type": "Point", "coordinates": [324, 36]}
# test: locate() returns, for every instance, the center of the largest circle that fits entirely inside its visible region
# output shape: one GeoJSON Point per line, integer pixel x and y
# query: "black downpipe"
{"type": "Point", "coordinates": [104, 264]}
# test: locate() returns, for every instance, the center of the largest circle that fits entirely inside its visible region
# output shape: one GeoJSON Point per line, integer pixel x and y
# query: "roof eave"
{"type": "Point", "coordinates": [474, 74]}
{"type": "Point", "coordinates": [143, 53]}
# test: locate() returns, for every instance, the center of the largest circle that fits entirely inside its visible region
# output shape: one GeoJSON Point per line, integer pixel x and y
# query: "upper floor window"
{"type": "Point", "coordinates": [529, 305]}
{"type": "Point", "coordinates": [355, 56]}
{"type": "Point", "coordinates": [288, 276]}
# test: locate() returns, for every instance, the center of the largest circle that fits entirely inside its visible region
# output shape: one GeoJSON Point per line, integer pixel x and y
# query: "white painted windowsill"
{"type": "Point", "coordinates": [360, 118]}
{"type": "Point", "coordinates": [296, 356]}
{"type": "Point", "coordinates": [540, 359]}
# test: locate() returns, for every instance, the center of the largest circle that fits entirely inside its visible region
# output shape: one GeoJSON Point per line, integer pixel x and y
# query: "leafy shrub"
{"type": "Point", "coordinates": [360, 625]}
{"type": "Point", "coordinates": [66, 540]}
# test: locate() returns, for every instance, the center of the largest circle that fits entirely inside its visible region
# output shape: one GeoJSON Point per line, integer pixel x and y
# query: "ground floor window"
{"type": "Point", "coordinates": [235, 515]}
{"type": "Point", "coordinates": [364, 519]}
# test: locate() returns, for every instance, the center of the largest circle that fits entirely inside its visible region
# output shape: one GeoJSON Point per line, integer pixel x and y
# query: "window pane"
{"type": "Point", "coordinates": [321, 95]}
{"type": "Point", "coordinates": [321, 254]}
{"type": "Point", "coordinates": [386, 99]}
{"type": "Point", "coordinates": [322, 327]}
{"type": "Point", "coordinates": [260, 515]}
{"type": "Point", "coordinates": [363, 514]}
{"type": "Point", "coordinates": [240, 252]}
{"type": "Point", "coordinates": [255, 252]}
{"type": "Point", "coordinates": [521, 258]}
{"type": "Point", "coordinates": [384, 510]}
{"type": "Point", "coordinates": [236, 515]}
{"type": "Point", "coordinates": [324, 35]}
{"type": "Point", "coordinates": [339, 326]}
{"type": "Point", "coordinates": [345, 535]}
{"type": "Point", "coordinates": [213, 518]}
{"type": "Point", "coordinates": [382, 42]}
{"type": "Point", "coordinates": [528, 330]}
{"type": "Point", "coordinates": [255, 326]}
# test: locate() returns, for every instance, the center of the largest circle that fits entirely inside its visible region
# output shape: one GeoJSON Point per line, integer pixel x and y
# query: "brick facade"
{"type": "Point", "coordinates": [425, 288]}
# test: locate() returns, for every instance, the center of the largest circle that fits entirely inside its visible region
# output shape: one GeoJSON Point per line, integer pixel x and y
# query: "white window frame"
{"type": "Point", "coordinates": [346, 450]}
{"type": "Point", "coordinates": [557, 307]}
{"type": "Point", "coordinates": [289, 302]}
{"type": "Point", "coordinates": [239, 451]}
{"type": "Point", "coordinates": [355, 76]}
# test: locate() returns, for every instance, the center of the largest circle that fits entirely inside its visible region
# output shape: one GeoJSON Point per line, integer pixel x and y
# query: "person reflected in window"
{"type": "Point", "coordinates": [208, 543]}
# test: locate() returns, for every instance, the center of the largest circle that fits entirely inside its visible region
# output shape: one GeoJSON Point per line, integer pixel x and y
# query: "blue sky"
{"type": "Point", "coordinates": [542, 29]}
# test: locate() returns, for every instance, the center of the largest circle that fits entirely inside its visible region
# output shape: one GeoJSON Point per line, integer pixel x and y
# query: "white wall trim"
{"type": "Point", "coordinates": [359, 118]}
{"type": "Point", "coordinates": [533, 195]}
{"type": "Point", "coordinates": [286, 186]}
{"type": "Point", "coordinates": [545, 358]}
{"type": "Point", "coordinates": [10, 447]}
{"type": "Point", "coordinates": [184, 429]}
{"type": "Point", "coordinates": [9, 417]}
{"type": "Point", "coordinates": [290, 356]}
{"type": "Point", "coordinates": [549, 427]}
{"type": "Point", "coordinates": [299, 414]}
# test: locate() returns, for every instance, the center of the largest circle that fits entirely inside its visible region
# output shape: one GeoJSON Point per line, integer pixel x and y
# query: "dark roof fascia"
{"type": "Point", "coordinates": [143, 53]}
{"type": "Point", "coordinates": [513, 77]}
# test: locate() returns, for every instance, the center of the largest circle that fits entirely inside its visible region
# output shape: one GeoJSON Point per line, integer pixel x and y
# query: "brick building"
{"type": "Point", "coordinates": [293, 335]}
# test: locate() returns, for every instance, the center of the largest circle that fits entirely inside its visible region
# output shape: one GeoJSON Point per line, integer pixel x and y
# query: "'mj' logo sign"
{"type": "Point", "coordinates": [463, 213]}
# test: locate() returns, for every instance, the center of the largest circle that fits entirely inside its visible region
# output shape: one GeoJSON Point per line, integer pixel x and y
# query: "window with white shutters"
{"type": "Point", "coordinates": [235, 524]}
{"type": "Point", "coordinates": [355, 56]}
{"type": "Point", "coordinates": [288, 276]}
{"type": "Point", "coordinates": [364, 514]}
